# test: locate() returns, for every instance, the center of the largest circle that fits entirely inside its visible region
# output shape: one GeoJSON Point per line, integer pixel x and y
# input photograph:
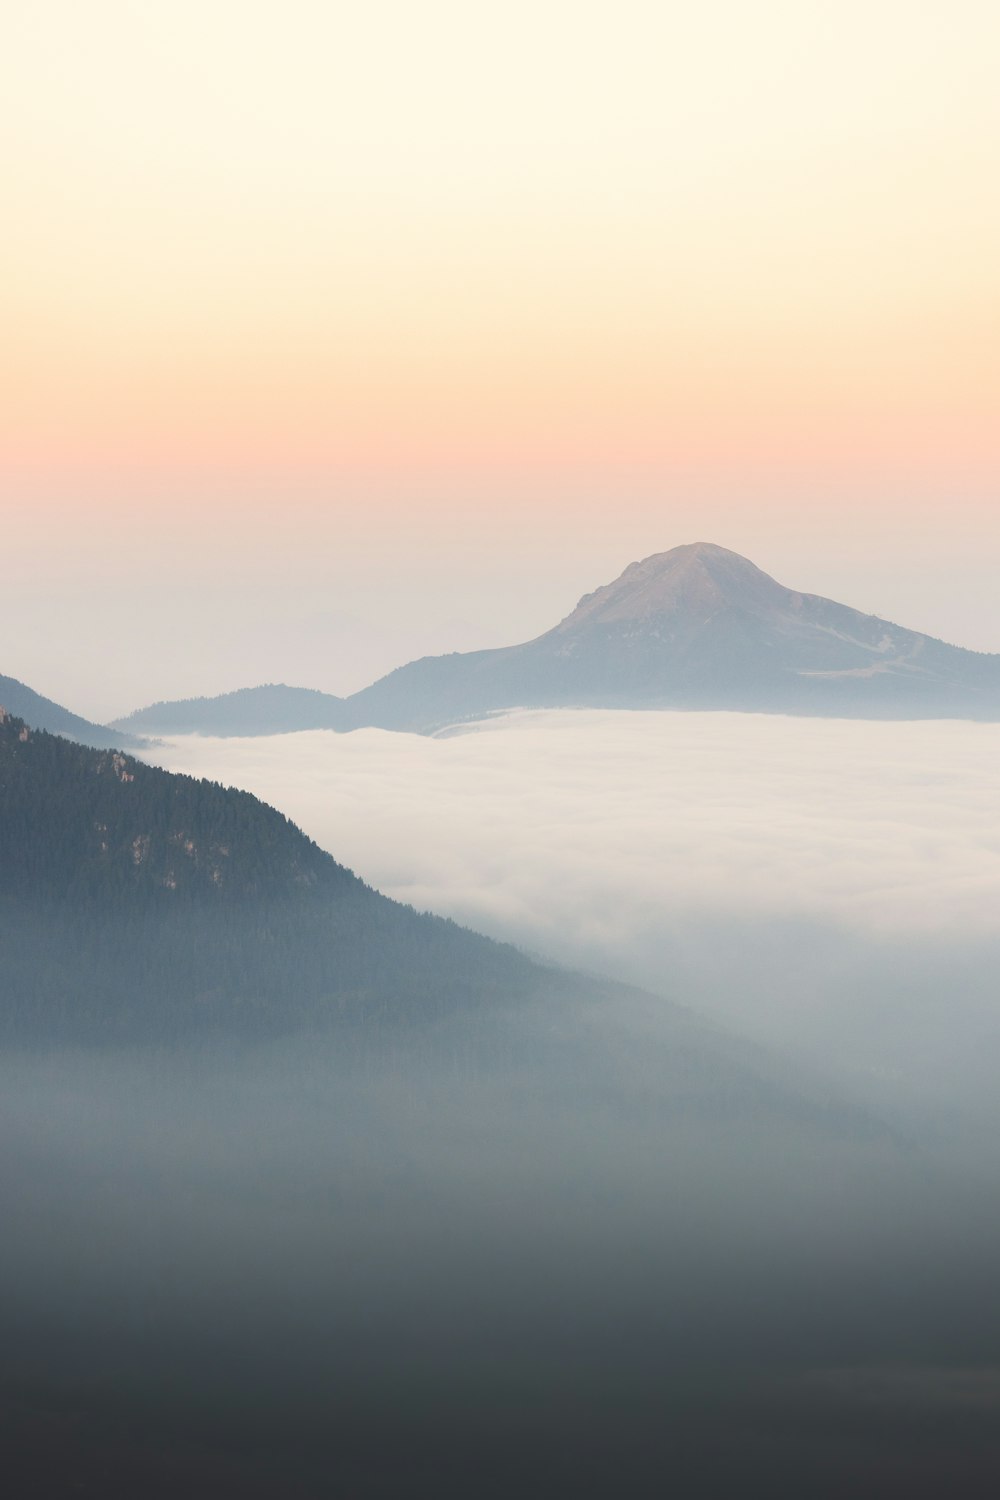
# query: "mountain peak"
{"type": "Point", "coordinates": [696, 627]}
{"type": "Point", "coordinates": [698, 578]}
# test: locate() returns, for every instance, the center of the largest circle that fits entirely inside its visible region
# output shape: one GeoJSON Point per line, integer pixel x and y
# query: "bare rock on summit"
{"type": "Point", "coordinates": [697, 580]}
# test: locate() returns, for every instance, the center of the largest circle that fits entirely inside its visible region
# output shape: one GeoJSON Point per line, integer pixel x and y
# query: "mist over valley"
{"type": "Point", "coordinates": [305, 1187]}
{"type": "Point", "coordinates": [826, 887]}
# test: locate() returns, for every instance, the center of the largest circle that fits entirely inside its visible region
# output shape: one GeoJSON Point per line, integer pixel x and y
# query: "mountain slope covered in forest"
{"type": "Point", "coordinates": [135, 900]}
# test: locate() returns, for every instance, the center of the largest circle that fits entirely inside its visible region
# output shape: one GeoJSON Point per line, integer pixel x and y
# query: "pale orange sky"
{"type": "Point", "coordinates": [476, 303]}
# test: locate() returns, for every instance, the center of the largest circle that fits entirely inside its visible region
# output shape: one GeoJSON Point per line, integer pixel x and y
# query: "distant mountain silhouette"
{"type": "Point", "coordinates": [271, 709]}
{"type": "Point", "coordinates": [42, 713]}
{"type": "Point", "coordinates": [698, 627]}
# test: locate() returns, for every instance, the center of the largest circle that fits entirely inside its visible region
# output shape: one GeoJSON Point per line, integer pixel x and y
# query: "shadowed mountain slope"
{"type": "Point", "coordinates": [138, 903]}
{"type": "Point", "coordinates": [698, 627]}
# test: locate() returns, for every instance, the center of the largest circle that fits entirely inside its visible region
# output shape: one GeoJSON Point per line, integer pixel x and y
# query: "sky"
{"type": "Point", "coordinates": [336, 335]}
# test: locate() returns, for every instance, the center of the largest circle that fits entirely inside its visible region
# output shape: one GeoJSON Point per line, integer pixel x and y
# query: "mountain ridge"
{"type": "Point", "coordinates": [245, 711]}
{"type": "Point", "coordinates": [696, 627]}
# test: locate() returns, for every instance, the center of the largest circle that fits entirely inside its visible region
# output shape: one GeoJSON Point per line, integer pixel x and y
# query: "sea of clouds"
{"type": "Point", "coordinates": [584, 823]}
{"type": "Point", "coordinates": [829, 884]}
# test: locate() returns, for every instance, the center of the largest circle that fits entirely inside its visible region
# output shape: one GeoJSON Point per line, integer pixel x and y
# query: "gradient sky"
{"type": "Point", "coordinates": [336, 334]}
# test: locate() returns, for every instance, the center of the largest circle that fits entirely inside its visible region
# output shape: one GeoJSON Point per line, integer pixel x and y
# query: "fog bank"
{"type": "Point", "coordinates": [595, 822]}
{"type": "Point", "coordinates": [830, 887]}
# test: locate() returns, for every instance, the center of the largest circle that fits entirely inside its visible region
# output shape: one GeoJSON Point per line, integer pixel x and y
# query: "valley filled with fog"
{"type": "Point", "coordinates": [708, 1190]}
{"type": "Point", "coordinates": [827, 887]}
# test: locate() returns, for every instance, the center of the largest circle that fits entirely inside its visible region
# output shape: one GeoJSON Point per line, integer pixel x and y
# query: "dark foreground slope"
{"type": "Point", "coordinates": [42, 713]}
{"type": "Point", "coordinates": [698, 627]}
{"type": "Point", "coordinates": [135, 903]}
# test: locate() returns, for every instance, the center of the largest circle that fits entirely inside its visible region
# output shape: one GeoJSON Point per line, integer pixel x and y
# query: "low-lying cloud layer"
{"type": "Point", "coordinates": [828, 883]}
{"type": "Point", "coordinates": [585, 822]}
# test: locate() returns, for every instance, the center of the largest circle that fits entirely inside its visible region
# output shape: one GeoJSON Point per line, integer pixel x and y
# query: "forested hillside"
{"type": "Point", "coordinates": [145, 903]}
{"type": "Point", "coordinates": [101, 826]}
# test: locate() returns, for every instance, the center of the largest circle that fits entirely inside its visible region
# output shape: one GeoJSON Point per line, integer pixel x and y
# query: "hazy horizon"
{"type": "Point", "coordinates": [337, 337]}
{"type": "Point", "coordinates": [305, 639]}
